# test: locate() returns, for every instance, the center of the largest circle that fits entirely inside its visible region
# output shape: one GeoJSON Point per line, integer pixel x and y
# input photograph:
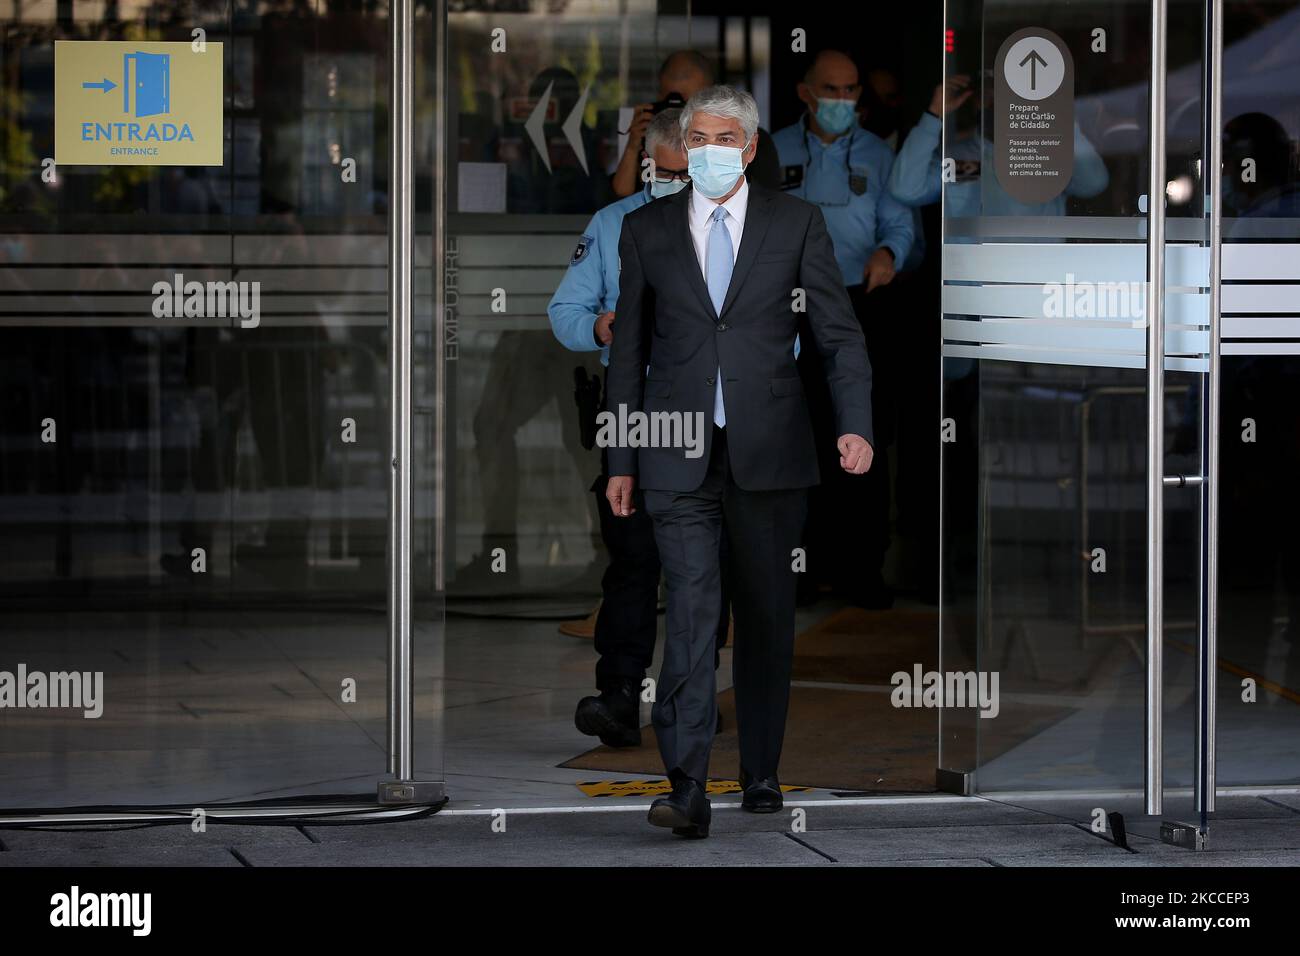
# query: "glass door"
{"type": "Point", "coordinates": [195, 454]}
{"type": "Point", "coordinates": [1078, 532]}
{"type": "Point", "coordinates": [1258, 648]}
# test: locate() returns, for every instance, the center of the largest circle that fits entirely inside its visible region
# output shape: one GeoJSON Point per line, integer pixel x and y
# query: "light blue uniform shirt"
{"type": "Point", "coordinates": [917, 174]}
{"type": "Point", "coordinates": [916, 180]}
{"type": "Point", "coordinates": [590, 284]}
{"type": "Point", "coordinates": [858, 224]}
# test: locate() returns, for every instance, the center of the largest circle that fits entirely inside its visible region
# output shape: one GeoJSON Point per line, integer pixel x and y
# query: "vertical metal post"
{"type": "Point", "coordinates": [1209, 651]}
{"type": "Point", "coordinates": [440, 259]}
{"type": "Point", "coordinates": [1155, 300]}
{"type": "Point", "coordinates": [938, 426]}
{"type": "Point", "coordinates": [401, 709]}
{"type": "Point", "coordinates": [405, 789]}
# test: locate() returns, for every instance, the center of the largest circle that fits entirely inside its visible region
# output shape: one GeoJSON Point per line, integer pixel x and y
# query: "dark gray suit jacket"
{"type": "Point", "coordinates": [665, 320]}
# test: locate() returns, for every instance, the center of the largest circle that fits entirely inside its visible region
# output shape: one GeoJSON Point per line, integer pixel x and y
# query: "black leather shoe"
{"type": "Point", "coordinates": [761, 796]}
{"type": "Point", "coordinates": [614, 716]}
{"type": "Point", "coordinates": [686, 810]}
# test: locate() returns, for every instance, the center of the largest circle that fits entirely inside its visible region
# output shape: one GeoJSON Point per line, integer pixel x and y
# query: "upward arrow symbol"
{"type": "Point", "coordinates": [1034, 61]}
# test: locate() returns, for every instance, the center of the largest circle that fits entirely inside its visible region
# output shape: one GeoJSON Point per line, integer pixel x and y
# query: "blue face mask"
{"type": "Point", "coordinates": [836, 116]}
{"type": "Point", "coordinates": [660, 189]}
{"type": "Point", "coordinates": [715, 169]}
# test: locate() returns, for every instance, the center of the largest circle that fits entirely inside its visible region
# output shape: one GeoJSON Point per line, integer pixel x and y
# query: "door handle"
{"type": "Point", "coordinates": [1155, 384]}
{"type": "Point", "coordinates": [1157, 480]}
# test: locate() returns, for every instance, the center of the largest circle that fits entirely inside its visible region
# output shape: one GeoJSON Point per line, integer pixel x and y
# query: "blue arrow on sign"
{"type": "Point", "coordinates": [104, 87]}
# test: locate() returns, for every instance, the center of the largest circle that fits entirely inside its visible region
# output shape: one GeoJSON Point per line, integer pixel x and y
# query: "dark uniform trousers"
{"type": "Point", "coordinates": [760, 529]}
{"type": "Point", "coordinates": [848, 522]}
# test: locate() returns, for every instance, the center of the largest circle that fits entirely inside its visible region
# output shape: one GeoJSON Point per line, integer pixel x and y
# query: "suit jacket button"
{"type": "Point", "coordinates": [722, 326]}
{"type": "Point", "coordinates": [708, 381]}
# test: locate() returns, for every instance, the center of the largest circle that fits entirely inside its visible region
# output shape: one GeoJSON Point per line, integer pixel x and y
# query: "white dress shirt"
{"type": "Point", "coordinates": [702, 209]}
{"type": "Point", "coordinates": [701, 219]}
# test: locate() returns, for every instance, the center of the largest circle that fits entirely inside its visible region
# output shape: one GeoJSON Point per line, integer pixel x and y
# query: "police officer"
{"type": "Point", "coordinates": [916, 179]}
{"type": "Point", "coordinates": [582, 318]}
{"type": "Point", "coordinates": [827, 158]}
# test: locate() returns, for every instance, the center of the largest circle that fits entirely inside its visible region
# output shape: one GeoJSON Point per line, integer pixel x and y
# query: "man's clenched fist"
{"type": "Point", "coordinates": [855, 454]}
{"type": "Point", "coordinates": [618, 492]}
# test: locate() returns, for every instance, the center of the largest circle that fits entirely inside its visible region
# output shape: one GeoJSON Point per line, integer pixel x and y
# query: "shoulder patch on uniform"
{"type": "Point", "coordinates": [580, 253]}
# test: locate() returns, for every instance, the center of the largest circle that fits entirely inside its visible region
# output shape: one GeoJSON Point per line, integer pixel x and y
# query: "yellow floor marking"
{"type": "Point", "coordinates": [655, 788]}
{"type": "Point", "coordinates": [1286, 693]}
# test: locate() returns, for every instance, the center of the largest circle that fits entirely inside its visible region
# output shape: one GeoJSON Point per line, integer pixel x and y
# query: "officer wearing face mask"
{"type": "Point", "coordinates": [581, 310]}
{"type": "Point", "coordinates": [828, 159]}
{"type": "Point", "coordinates": [582, 316]}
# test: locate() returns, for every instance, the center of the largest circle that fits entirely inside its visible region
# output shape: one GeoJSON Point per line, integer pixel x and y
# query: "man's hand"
{"type": "Point", "coordinates": [645, 112]}
{"type": "Point", "coordinates": [605, 328]}
{"type": "Point", "coordinates": [618, 492]}
{"type": "Point", "coordinates": [879, 269]}
{"type": "Point", "coordinates": [855, 455]}
{"type": "Point", "coordinates": [627, 177]}
{"type": "Point", "coordinates": [959, 91]}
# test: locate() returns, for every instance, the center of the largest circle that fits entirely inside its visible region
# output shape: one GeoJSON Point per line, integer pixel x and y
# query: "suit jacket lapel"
{"type": "Point", "coordinates": [679, 215]}
{"type": "Point", "coordinates": [757, 217]}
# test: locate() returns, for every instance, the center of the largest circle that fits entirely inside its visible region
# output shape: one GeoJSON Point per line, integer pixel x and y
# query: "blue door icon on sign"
{"type": "Point", "coordinates": [152, 83]}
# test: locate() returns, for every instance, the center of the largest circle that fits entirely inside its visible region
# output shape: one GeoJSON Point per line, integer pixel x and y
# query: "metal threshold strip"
{"type": "Point", "coordinates": [1247, 790]}
{"type": "Point", "coordinates": [827, 799]}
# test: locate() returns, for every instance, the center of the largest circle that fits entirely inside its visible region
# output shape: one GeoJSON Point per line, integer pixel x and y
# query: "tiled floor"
{"type": "Point", "coordinates": [938, 831]}
{"type": "Point", "coordinates": [243, 706]}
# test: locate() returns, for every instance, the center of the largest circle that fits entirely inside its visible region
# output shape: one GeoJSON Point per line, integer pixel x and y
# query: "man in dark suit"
{"type": "Point", "coordinates": [713, 282]}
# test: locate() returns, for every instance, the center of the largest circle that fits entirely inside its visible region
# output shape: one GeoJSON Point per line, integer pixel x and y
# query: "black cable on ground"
{"type": "Point", "coordinates": [334, 810]}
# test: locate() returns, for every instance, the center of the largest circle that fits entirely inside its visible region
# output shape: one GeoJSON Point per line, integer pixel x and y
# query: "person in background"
{"type": "Point", "coordinates": [831, 161]}
{"type": "Point", "coordinates": [883, 105]}
{"type": "Point", "coordinates": [521, 383]}
{"type": "Point", "coordinates": [682, 75]}
{"type": "Point", "coordinates": [582, 317]}
{"type": "Point", "coordinates": [916, 178]}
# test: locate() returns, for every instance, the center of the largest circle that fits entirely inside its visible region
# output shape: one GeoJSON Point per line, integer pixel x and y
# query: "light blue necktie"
{"type": "Point", "coordinates": [719, 262]}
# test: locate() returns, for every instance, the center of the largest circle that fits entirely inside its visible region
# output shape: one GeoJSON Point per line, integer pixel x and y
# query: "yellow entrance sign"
{"type": "Point", "coordinates": [121, 103]}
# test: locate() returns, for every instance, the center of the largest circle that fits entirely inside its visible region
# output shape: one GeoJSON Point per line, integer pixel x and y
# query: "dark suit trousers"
{"type": "Point", "coordinates": [761, 528]}
{"type": "Point", "coordinates": [628, 621]}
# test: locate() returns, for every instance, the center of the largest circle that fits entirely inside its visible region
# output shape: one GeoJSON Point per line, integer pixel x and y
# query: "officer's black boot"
{"type": "Point", "coordinates": [614, 716]}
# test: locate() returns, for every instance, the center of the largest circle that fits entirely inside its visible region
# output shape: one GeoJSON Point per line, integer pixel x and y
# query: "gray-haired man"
{"type": "Point", "coordinates": [583, 319]}
{"type": "Point", "coordinates": [713, 283]}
